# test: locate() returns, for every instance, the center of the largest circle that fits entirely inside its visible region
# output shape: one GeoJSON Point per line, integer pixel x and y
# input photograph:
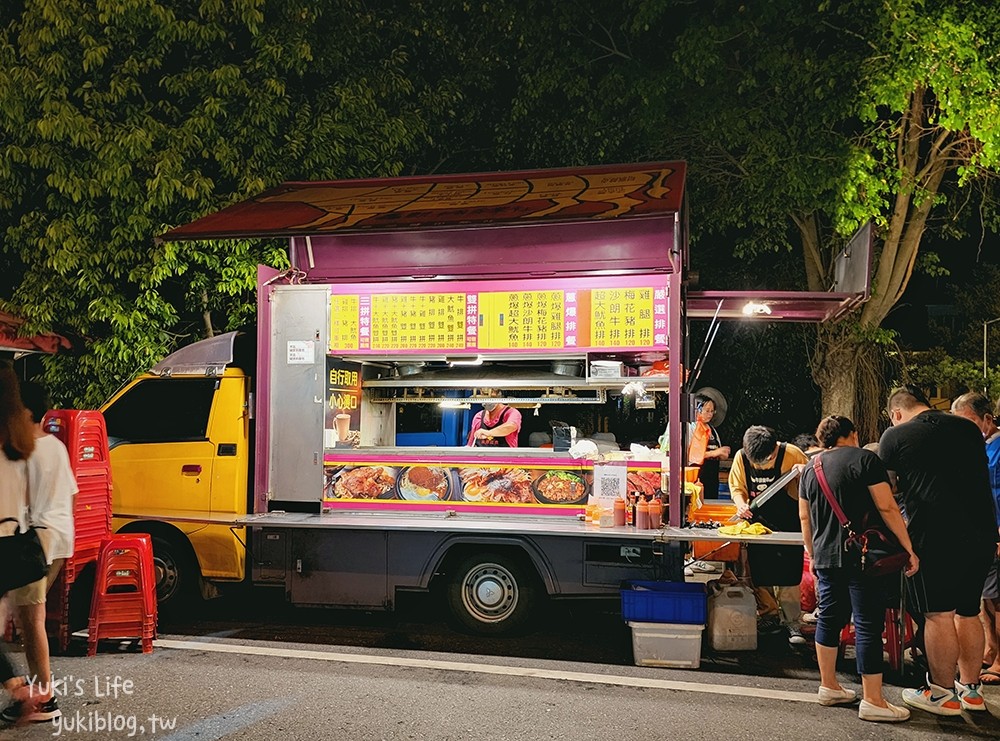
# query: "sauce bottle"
{"type": "Point", "coordinates": [619, 511]}
{"type": "Point", "coordinates": [630, 510]}
{"type": "Point", "coordinates": [655, 513]}
{"type": "Point", "coordinates": [642, 515]}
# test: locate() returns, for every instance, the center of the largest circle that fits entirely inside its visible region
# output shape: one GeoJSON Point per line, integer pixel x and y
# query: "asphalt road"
{"type": "Point", "coordinates": [250, 668]}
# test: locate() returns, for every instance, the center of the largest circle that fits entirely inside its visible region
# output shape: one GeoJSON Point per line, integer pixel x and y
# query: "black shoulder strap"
{"type": "Point", "coordinates": [780, 457]}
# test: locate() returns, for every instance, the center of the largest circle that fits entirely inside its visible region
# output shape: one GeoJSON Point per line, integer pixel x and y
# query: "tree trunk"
{"type": "Point", "coordinates": [835, 366]}
{"type": "Point", "coordinates": [850, 372]}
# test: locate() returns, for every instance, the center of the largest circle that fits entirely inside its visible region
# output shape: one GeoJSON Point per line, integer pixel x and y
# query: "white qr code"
{"type": "Point", "coordinates": [609, 488]}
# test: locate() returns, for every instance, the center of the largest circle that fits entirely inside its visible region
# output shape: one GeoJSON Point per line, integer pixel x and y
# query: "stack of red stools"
{"type": "Point", "coordinates": [124, 601]}
{"type": "Point", "coordinates": [86, 439]}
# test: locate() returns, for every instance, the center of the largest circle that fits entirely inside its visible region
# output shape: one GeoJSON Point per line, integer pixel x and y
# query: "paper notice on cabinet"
{"type": "Point", "coordinates": [301, 352]}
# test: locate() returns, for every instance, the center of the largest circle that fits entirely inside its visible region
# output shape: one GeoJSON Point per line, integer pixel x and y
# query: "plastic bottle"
{"type": "Point", "coordinates": [655, 513]}
{"type": "Point", "coordinates": [630, 510]}
{"type": "Point", "coordinates": [642, 515]}
{"type": "Point", "coordinates": [619, 510]}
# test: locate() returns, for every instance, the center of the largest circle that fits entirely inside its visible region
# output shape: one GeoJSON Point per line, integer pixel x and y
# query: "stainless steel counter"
{"type": "Point", "coordinates": [502, 524]}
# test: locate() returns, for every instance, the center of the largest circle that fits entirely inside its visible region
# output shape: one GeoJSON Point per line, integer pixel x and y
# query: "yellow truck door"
{"type": "Point", "coordinates": [164, 471]}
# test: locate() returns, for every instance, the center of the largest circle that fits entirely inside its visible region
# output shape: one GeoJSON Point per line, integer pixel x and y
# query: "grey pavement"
{"type": "Point", "coordinates": [205, 688]}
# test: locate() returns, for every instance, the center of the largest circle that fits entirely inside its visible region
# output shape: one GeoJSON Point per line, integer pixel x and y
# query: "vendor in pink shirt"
{"type": "Point", "coordinates": [497, 425]}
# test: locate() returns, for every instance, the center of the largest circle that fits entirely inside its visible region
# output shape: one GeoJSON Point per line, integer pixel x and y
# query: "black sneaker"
{"type": "Point", "coordinates": [42, 714]}
{"type": "Point", "coordinates": [11, 713]}
{"type": "Point", "coordinates": [769, 625]}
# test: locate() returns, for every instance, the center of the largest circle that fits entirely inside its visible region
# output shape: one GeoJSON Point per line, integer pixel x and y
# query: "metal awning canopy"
{"type": "Point", "coordinates": [851, 287]}
{"type": "Point", "coordinates": [572, 221]}
{"type": "Point", "coordinates": [12, 341]}
{"type": "Point", "coordinates": [589, 194]}
{"type": "Point", "coordinates": [772, 306]}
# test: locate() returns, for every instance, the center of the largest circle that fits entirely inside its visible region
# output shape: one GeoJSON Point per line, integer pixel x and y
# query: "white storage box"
{"type": "Point", "coordinates": [666, 644]}
{"type": "Point", "coordinates": [607, 369]}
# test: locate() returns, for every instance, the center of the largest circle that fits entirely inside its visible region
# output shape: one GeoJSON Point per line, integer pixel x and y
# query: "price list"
{"type": "Point", "coordinates": [418, 321]}
{"type": "Point", "coordinates": [628, 317]}
{"type": "Point", "coordinates": [344, 322]}
{"type": "Point", "coordinates": [523, 320]}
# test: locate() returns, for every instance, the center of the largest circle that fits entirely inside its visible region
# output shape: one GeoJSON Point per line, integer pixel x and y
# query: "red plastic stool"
{"type": "Point", "coordinates": [124, 601]}
{"type": "Point", "coordinates": [890, 637]}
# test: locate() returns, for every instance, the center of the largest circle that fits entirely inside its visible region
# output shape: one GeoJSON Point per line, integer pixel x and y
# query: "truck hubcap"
{"type": "Point", "coordinates": [489, 593]}
{"type": "Point", "coordinates": [166, 576]}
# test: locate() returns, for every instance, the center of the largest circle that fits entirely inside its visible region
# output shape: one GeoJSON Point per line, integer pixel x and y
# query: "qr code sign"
{"type": "Point", "coordinates": [609, 482]}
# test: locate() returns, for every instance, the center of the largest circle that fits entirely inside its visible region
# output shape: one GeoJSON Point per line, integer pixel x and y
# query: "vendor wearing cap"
{"type": "Point", "coordinates": [496, 425]}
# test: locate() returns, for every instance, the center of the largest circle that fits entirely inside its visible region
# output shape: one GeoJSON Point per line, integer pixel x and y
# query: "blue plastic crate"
{"type": "Point", "coordinates": [664, 602]}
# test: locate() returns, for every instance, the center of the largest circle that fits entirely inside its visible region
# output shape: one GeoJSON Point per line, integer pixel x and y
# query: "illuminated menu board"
{"type": "Point", "coordinates": [557, 314]}
{"type": "Point", "coordinates": [628, 317]}
{"type": "Point", "coordinates": [416, 321]}
{"type": "Point", "coordinates": [344, 322]}
{"type": "Point", "coordinates": [531, 320]}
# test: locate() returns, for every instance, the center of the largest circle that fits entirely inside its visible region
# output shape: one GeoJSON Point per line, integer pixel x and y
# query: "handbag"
{"type": "Point", "coordinates": [880, 551]}
{"type": "Point", "coordinates": [21, 554]}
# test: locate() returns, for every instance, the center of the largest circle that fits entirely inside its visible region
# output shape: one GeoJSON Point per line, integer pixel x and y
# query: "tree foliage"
{"type": "Point", "coordinates": [799, 123]}
{"type": "Point", "coordinates": [121, 118]}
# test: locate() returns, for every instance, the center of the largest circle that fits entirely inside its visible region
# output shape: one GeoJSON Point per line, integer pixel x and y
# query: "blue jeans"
{"type": "Point", "coordinates": [844, 591]}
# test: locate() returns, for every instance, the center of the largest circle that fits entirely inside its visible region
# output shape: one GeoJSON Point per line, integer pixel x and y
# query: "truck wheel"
{"type": "Point", "coordinates": [176, 577]}
{"type": "Point", "coordinates": [492, 594]}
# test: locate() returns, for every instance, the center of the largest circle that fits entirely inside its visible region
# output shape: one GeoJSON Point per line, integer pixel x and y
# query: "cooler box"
{"type": "Point", "coordinates": [666, 644]}
{"type": "Point", "coordinates": [664, 602]}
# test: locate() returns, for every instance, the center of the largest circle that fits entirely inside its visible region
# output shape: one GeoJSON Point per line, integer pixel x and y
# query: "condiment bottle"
{"type": "Point", "coordinates": [619, 510]}
{"type": "Point", "coordinates": [630, 510]}
{"type": "Point", "coordinates": [655, 513]}
{"type": "Point", "coordinates": [642, 515]}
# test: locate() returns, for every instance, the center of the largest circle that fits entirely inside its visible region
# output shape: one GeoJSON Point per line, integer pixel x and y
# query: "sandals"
{"type": "Point", "coordinates": [989, 678]}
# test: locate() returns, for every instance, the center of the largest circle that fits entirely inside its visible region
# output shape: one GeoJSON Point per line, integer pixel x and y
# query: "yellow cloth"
{"type": "Point", "coordinates": [744, 528]}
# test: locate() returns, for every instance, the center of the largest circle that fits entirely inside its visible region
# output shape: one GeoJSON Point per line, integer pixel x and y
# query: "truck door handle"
{"type": "Point", "coordinates": [191, 469]}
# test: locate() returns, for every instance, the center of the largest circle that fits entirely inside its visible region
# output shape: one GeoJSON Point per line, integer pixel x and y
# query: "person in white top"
{"type": "Point", "coordinates": [51, 488]}
{"type": "Point", "coordinates": [17, 444]}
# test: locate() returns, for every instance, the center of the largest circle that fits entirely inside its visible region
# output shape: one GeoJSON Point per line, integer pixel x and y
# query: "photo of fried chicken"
{"type": "Point", "coordinates": [364, 482]}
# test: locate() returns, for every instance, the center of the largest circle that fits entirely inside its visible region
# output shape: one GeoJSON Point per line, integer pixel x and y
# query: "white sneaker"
{"type": "Point", "coordinates": [889, 714]}
{"type": "Point", "coordinates": [810, 617]}
{"type": "Point", "coordinates": [795, 637]}
{"type": "Point", "coordinates": [934, 699]}
{"type": "Point", "coordinates": [703, 567]}
{"type": "Point", "coordinates": [836, 697]}
{"type": "Point", "coordinates": [970, 695]}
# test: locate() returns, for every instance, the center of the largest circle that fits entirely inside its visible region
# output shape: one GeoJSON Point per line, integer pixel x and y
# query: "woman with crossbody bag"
{"type": "Point", "coordinates": [18, 442]}
{"type": "Point", "coordinates": [846, 480]}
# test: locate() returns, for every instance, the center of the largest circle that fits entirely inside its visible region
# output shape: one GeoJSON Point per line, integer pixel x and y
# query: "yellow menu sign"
{"type": "Point", "coordinates": [344, 324]}
{"type": "Point", "coordinates": [621, 317]}
{"type": "Point", "coordinates": [418, 321]}
{"type": "Point", "coordinates": [515, 320]}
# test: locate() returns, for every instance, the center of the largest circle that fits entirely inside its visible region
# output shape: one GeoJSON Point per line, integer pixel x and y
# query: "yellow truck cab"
{"type": "Point", "coordinates": [180, 452]}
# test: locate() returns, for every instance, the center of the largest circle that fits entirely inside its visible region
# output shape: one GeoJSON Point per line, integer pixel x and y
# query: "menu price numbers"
{"type": "Point", "coordinates": [345, 322]}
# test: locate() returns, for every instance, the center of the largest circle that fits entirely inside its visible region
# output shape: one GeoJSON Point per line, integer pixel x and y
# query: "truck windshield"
{"type": "Point", "coordinates": [162, 410]}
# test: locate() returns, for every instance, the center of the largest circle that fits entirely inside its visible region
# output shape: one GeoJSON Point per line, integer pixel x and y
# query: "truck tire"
{"type": "Point", "coordinates": [176, 574]}
{"type": "Point", "coordinates": [492, 594]}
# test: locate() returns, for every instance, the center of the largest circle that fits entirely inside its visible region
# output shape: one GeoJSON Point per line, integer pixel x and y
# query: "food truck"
{"type": "Point", "coordinates": [328, 454]}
